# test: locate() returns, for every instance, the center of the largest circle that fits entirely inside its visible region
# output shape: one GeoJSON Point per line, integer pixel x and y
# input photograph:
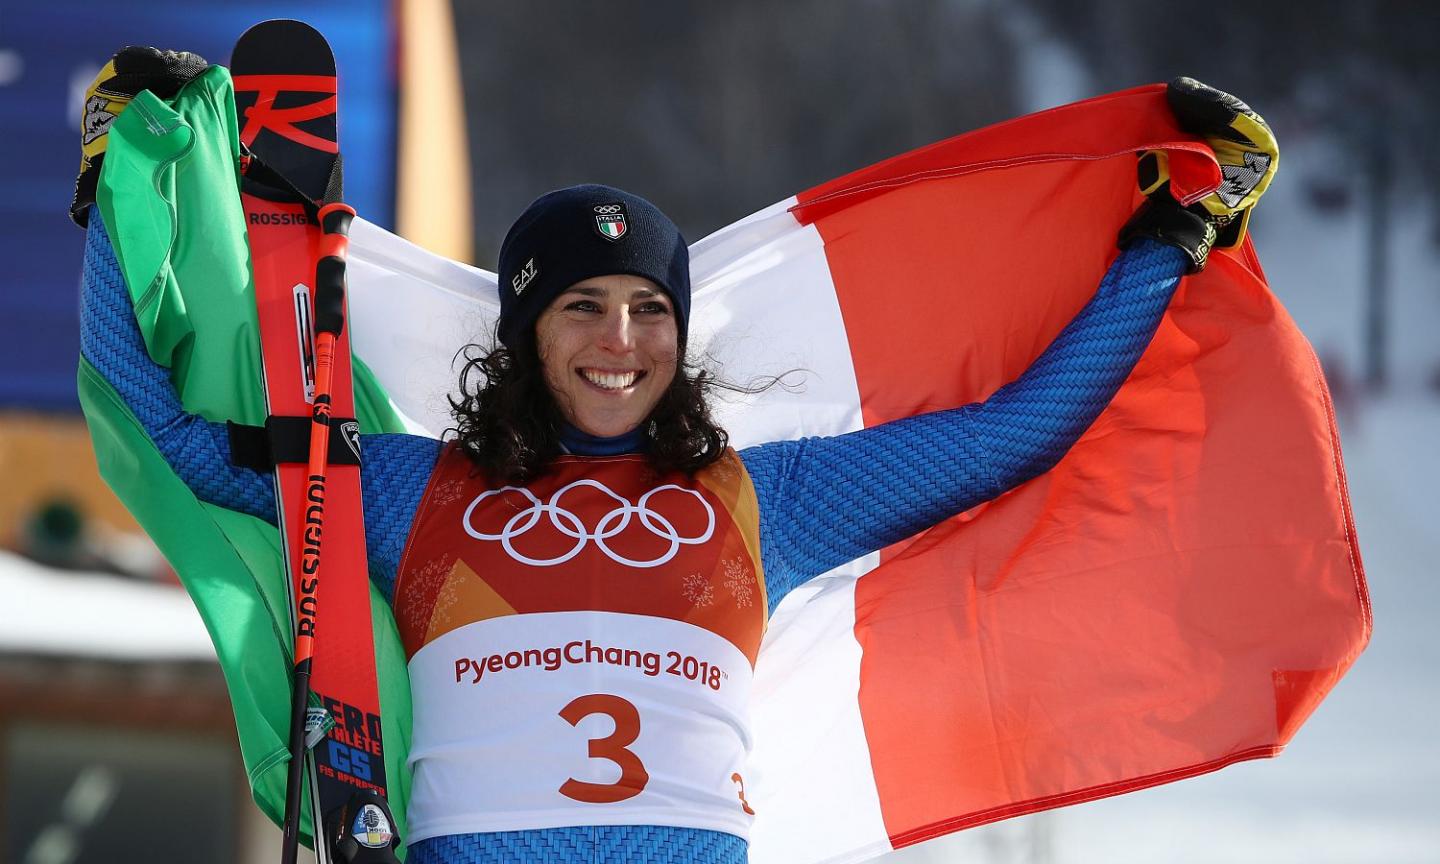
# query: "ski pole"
{"type": "Point", "coordinates": [335, 221]}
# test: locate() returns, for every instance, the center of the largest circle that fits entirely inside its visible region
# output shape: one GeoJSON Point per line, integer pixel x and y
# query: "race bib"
{"type": "Point", "coordinates": [579, 718]}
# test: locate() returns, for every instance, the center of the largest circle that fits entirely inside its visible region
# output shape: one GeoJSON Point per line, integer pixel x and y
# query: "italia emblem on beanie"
{"type": "Point", "coordinates": [610, 220]}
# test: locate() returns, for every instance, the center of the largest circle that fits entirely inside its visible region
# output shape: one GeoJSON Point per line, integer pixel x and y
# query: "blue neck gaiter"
{"type": "Point", "coordinates": [581, 443]}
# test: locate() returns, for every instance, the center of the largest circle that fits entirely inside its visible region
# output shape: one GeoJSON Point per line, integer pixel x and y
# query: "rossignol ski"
{"type": "Point", "coordinates": [286, 101]}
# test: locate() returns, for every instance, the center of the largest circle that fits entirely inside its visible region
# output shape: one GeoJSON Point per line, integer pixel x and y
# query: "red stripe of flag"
{"type": "Point", "coordinates": [1182, 590]}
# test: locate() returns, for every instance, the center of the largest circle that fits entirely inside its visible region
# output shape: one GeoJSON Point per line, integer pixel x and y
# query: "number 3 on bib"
{"type": "Point", "coordinates": [633, 775]}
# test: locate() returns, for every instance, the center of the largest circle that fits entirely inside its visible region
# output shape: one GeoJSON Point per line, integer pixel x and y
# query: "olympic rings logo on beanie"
{"type": "Point", "coordinates": [580, 232]}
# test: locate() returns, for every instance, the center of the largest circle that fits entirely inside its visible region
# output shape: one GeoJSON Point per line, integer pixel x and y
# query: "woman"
{"type": "Point", "coordinates": [582, 576]}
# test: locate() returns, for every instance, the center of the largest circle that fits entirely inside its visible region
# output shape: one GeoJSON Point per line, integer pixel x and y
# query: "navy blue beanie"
{"type": "Point", "coordinates": [577, 233]}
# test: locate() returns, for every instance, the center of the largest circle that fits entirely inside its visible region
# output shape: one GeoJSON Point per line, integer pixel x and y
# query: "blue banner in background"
{"type": "Point", "coordinates": [49, 52]}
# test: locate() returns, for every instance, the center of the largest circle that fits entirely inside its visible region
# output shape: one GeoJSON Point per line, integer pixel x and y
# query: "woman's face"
{"type": "Point", "coordinates": [609, 348]}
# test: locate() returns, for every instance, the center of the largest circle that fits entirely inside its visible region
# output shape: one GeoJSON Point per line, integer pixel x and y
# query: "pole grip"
{"type": "Point", "coordinates": [335, 222]}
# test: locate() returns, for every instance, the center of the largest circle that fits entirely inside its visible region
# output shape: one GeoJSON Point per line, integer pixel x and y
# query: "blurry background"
{"type": "Point", "coordinates": [116, 742]}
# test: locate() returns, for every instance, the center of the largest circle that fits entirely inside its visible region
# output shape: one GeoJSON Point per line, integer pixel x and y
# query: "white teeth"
{"type": "Point", "coordinates": [610, 380]}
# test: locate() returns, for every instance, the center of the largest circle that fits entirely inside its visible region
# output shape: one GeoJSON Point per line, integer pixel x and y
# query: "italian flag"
{"type": "Point", "coordinates": [1178, 594]}
{"type": "Point", "coordinates": [611, 226]}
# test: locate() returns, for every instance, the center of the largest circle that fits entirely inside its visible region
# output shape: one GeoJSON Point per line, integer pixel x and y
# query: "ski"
{"type": "Point", "coordinates": [286, 104]}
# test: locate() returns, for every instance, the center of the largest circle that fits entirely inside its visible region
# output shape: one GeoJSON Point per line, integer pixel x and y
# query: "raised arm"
{"type": "Point", "coordinates": [197, 450]}
{"type": "Point", "coordinates": [826, 501]}
{"type": "Point", "coordinates": [394, 468]}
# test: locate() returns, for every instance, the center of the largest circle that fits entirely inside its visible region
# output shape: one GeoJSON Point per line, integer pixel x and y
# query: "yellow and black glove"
{"type": "Point", "coordinates": [1248, 155]}
{"type": "Point", "coordinates": [131, 70]}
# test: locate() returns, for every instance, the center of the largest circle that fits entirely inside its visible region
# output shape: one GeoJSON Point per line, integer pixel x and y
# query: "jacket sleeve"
{"type": "Point", "coordinates": [826, 501]}
{"type": "Point", "coordinates": [394, 471]}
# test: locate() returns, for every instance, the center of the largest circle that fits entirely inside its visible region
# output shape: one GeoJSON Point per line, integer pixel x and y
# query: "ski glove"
{"type": "Point", "coordinates": [1248, 155]}
{"type": "Point", "coordinates": [131, 70]}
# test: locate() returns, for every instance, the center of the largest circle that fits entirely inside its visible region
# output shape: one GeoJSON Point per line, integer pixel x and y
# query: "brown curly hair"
{"type": "Point", "coordinates": [508, 423]}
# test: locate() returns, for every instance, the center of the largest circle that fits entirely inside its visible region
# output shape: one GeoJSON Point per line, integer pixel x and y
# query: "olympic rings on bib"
{"type": "Point", "coordinates": [569, 524]}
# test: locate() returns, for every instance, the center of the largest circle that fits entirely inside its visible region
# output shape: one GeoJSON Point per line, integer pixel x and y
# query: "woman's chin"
{"type": "Point", "coordinates": [606, 428]}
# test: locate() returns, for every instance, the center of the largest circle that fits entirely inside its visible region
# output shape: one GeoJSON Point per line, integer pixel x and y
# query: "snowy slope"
{"type": "Point", "coordinates": [91, 615]}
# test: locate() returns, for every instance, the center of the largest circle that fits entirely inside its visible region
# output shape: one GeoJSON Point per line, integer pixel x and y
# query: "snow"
{"type": "Point", "coordinates": [91, 615]}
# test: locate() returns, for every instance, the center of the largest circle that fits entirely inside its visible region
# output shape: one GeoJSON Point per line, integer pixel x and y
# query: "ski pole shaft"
{"type": "Point", "coordinates": [335, 219]}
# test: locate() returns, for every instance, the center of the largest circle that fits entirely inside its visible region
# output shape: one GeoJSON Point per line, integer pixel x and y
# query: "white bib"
{"type": "Point", "coordinates": [556, 719]}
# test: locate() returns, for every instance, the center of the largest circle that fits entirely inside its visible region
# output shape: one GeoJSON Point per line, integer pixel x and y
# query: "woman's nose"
{"type": "Point", "coordinates": [615, 334]}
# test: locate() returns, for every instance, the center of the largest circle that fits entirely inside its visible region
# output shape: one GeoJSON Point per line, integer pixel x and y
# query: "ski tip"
{"type": "Point", "coordinates": [286, 99]}
{"type": "Point", "coordinates": [279, 25]}
{"type": "Point", "coordinates": [302, 45]}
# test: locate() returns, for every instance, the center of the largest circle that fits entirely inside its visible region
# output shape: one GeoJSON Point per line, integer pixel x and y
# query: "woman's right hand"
{"type": "Point", "coordinates": [131, 70]}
